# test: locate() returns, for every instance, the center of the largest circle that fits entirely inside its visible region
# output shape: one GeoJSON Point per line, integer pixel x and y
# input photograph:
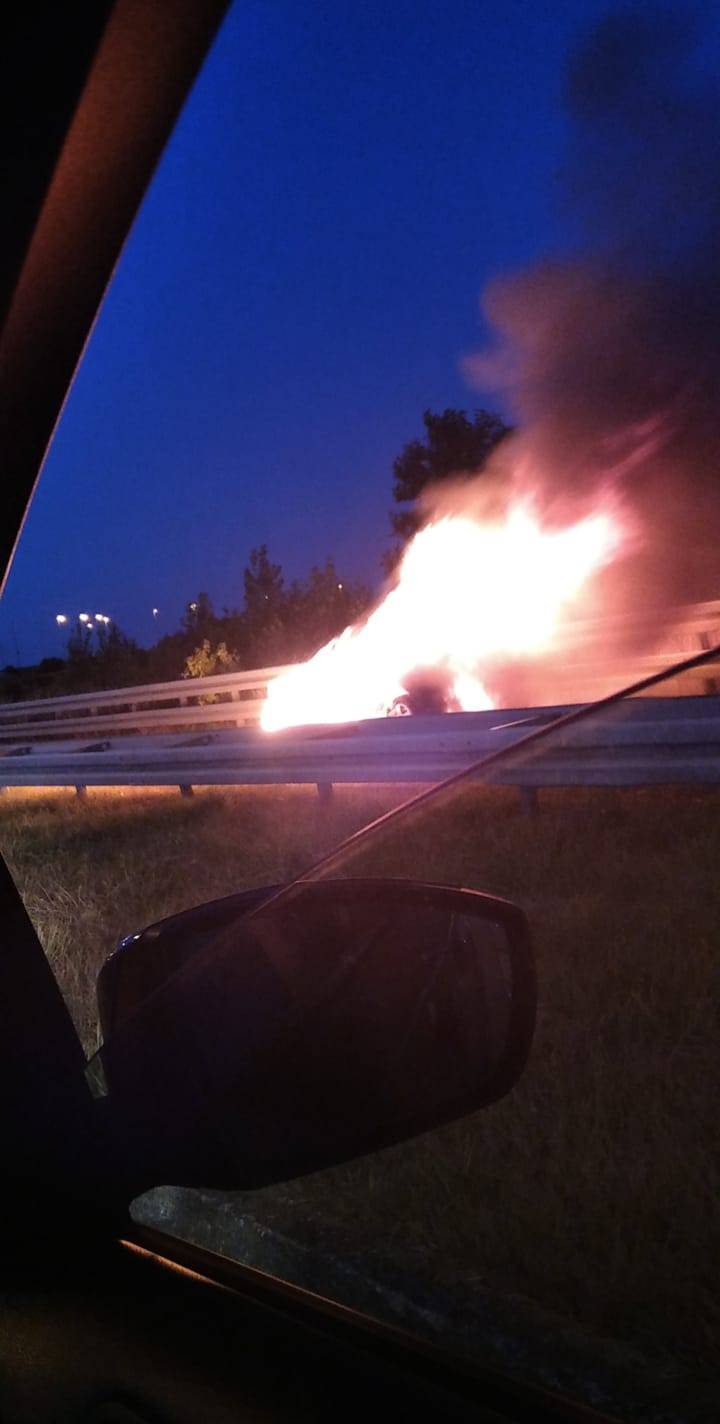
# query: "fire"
{"type": "Point", "coordinates": [469, 594]}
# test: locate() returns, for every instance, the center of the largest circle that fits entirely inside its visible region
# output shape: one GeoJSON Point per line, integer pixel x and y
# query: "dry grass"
{"type": "Point", "coordinates": [93, 870]}
{"type": "Point", "coordinates": [595, 1187]}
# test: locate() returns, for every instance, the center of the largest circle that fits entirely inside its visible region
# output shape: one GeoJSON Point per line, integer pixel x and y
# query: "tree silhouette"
{"type": "Point", "coordinates": [453, 446]}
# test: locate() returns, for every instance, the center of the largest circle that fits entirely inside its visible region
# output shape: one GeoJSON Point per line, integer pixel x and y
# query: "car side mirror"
{"type": "Point", "coordinates": [332, 1020]}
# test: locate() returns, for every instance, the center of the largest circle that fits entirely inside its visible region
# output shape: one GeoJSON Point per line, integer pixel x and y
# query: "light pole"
{"type": "Point", "coordinates": [84, 622]}
{"type": "Point", "coordinates": [61, 624]}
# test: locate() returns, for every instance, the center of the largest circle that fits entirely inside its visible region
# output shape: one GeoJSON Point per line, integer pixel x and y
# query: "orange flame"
{"type": "Point", "coordinates": [468, 593]}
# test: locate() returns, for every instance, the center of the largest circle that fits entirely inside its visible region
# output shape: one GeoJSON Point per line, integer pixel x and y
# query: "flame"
{"type": "Point", "coordinates": [468, 594]}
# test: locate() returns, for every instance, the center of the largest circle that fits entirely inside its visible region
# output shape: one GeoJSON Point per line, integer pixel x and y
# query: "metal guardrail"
{"type": "Point", "coordinates": [173, 734]}
{"type": "Point", "coordinates": [232, 698]}
{"type": "Point", "coordinates": [654, 741]}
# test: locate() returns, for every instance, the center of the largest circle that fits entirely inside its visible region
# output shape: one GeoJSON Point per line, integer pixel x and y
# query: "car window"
{"type": "Point", "coordinates": [579, 1209]}
{"type": "Point", "coordinates": [313, 536]}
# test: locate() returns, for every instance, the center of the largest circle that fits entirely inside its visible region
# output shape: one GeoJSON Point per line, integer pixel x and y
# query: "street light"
{"type": "Point", "coordinates": [60, 618]}
{"type": "Point", "coordinates": [155, 612]}
{"type": "Point", "coordinates": [84, 617]}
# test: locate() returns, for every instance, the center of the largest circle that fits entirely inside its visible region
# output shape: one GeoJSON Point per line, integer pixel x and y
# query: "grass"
{"type": "Point", "coordinates": [595, 1186]}
{"type": "Point", "coordinates": [93, 870]}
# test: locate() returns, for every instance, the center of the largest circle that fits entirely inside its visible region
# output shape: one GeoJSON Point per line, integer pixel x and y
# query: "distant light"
{"type": "Point", "coordinates": [84, 617]}
{"type": "Point", "coordinates": [339, 585]}
{"type": "Point", "coordinates": [193, 607]}
{"type": "Point", "coordinates": [100, 617]}
{"type": "Point", "coordinates": [155, 612]}
{"type": "Point", "coordinates": [61, 618]}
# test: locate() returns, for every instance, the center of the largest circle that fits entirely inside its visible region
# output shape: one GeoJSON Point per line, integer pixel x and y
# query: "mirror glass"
{"type": "Point", "coordinates": [402, 1001]}
{"type": "Point", "coordinates": [337, 1018]}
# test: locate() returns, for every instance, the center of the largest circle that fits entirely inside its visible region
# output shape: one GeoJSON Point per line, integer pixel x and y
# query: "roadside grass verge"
{"type": "Point", "coordinates": [594, 1187]}
{"type": "Point", "coordinates": [93, 870]}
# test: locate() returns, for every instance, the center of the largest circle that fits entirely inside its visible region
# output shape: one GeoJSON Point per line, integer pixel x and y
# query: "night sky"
{"type": "Point", "coordinates": [302, 281]}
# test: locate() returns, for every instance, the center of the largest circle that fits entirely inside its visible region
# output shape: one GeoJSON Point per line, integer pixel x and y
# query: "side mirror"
{"type": "Point", "coordinates": [332, 1020]}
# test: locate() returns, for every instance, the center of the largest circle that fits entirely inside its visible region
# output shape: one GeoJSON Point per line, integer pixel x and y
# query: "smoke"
{"type": "Point", "coordinates": [609, 356]}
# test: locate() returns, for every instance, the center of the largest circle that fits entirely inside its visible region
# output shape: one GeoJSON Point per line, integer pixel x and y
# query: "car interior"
{"type": "Point", "coordinates": [251, 1048]}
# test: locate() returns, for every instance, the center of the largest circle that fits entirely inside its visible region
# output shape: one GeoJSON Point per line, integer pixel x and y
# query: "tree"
{"type": "Point", "coordinates": [453, 446]}
{"type": "Point", "coordinates": [100, 655]}
{"type": "Point", "coordinates": [80, 662]}
{"type": "Point", "coordinates": [199, 615]}
{"type": "Point", "coordinates": [319, 608]}
{"type": "Point", "coordinates": [282, 623]}
{"type": "Point", "coordinates": [264, 585]}
{"type": "Point", "coordinates": [263, 619]}
{"type": "Point", "coordinates": [41, 679]}
{"type": "Point", "coordinates": [206, 660]}
{"type": "Point", "coordinates": [119, 659]}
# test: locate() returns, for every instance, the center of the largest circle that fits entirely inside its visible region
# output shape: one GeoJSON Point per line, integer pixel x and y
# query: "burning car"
{"type": "Point", "coordinates": [426, 690]}
{"type": "Point", "coordinates": [473, 598]}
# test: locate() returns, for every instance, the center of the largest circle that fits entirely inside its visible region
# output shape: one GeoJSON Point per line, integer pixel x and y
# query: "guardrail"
{"type": "Point", "coordinates": [580, 672]}
{"type": "Point", "coordinates": [233, 699]}
{"type": "Point", "coordinates": [203, 731]}
{"type": "Point", "coordinates": [652, 741]}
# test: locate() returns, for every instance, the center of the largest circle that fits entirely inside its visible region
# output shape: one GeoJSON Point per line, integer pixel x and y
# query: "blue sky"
{"type": "Point", "coordinates": [302, 281]}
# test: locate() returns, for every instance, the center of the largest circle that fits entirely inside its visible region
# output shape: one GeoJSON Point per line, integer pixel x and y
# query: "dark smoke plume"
{"type": "Point", "coordinates": [610, 357]}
